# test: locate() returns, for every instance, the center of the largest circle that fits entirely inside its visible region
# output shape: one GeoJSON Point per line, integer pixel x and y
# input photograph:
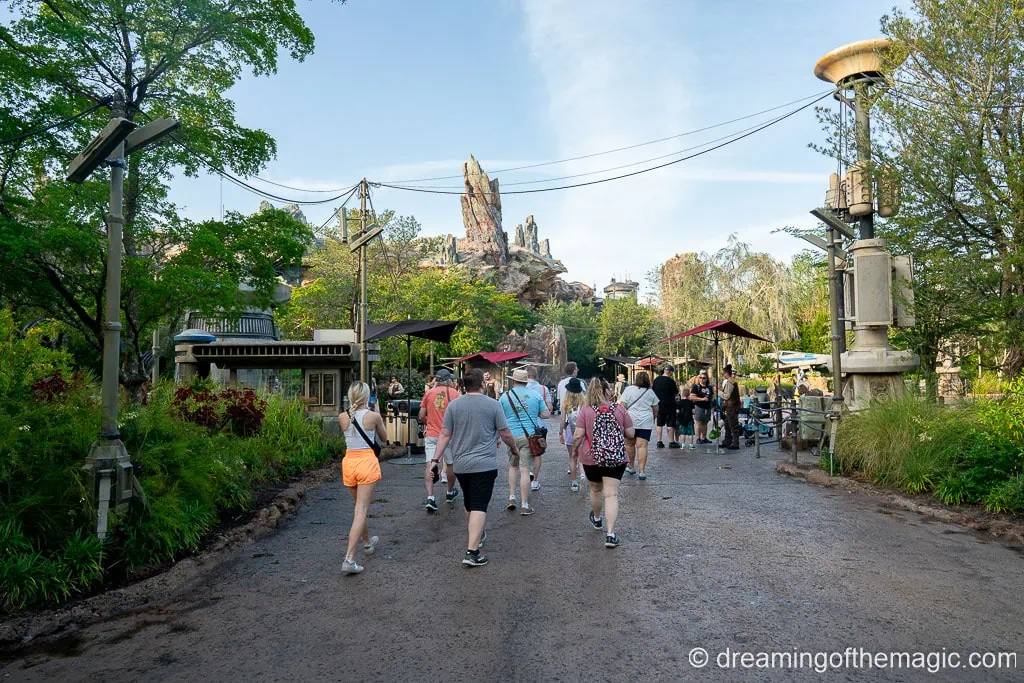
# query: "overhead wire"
{"type": "Point", "coordinates": [343, 204]}
{"type": "Point", "coordinates": [612, 168]}
{"type": "Point", "coordinates": [58, 124]}
{"type": "Point", "coordinates": [622, 149]}
{"type": "Point", "coordinates": [731, 140]}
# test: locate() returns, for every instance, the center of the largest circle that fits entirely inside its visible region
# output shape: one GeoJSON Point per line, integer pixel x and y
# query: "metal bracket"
{"type": "Point", "coordinates": [117, 161]}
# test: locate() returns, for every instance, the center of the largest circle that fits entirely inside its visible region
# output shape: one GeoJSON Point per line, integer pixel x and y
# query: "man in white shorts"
{"type": "Point", "coordinates": [432, 408]}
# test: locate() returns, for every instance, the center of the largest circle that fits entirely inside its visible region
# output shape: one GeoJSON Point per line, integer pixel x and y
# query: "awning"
{"type": "Point", "coordinates": [715, 331]}
{"type": "Point", "coordinates": [434, 330]}
{"type": "Point", "coordinates": [494, 356]}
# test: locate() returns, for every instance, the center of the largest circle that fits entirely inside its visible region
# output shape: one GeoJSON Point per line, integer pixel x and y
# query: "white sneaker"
{"type": "Point", "coordinates": [574, 486]}
{"type": "Point", "coordinates": [535, 485]}
{"type": "Point", "coordinates": [371, 547]}
{"type": "Point", "coordinates": [350, 567]}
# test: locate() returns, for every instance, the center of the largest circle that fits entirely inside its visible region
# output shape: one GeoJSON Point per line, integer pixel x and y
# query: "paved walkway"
{"type": "Point", "coordinates": [717, 552]}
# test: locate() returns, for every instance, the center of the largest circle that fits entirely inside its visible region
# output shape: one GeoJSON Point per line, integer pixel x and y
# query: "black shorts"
{"type": "Point", "coordinates": [595, 472]}
{"type": "Point", "coordinates": [644, 434]}
{"type": "Point", "coordinates": [477, 488]}
{"type": "Point", "coordinates": [666, 415]}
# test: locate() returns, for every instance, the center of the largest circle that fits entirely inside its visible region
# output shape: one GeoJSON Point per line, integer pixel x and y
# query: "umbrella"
{"type": "Point", "coordinates": [434, 330]}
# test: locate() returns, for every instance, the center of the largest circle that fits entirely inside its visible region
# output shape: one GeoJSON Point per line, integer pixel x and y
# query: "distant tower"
{"type": "Point", "coordinates": [621, 290]}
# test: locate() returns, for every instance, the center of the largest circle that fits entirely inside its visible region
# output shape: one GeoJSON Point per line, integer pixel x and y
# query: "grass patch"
{"type": "Point", "coordinates": [969, 453]}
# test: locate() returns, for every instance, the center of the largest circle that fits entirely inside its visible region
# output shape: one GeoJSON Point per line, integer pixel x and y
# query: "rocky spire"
{"type": "Point", "coordinates": [530, 237]}
{"type": "Point", "coordinates": [481, 214]}
{"type": "Point", "coordinates": [520, 239]}
{"type": "Point", "coordinates": [545, 248]}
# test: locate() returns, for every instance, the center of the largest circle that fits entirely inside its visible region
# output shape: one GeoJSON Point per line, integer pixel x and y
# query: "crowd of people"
{"type": "Point", "coordinates": [606, 428]}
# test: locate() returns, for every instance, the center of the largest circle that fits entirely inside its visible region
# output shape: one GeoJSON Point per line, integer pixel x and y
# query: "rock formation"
{"type": "Point", "coordinates": [293, 209]}
{"type": "Point", "coordinates": [481, 215]}
{"type": "Point", "coordinates": [545, 344]}
{"type": "Point", "coordinates": [525, 267]}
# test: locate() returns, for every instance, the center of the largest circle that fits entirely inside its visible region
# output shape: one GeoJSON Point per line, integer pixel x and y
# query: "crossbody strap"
{"type": "Point", "coordinates": [525, 410]}
{"type": "Point", "coordinates": [374, 446]}
{"type": "Point", "coordinates": [637, 399]}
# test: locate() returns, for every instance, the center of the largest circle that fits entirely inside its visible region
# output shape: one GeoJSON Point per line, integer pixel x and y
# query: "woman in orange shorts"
{"type": "Point", "coordinates": [360, 469]}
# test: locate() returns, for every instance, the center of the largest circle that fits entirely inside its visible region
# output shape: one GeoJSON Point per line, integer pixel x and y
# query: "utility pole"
{"type": "Point", "coordinates": [156, 357]}
{"type": "Point", "coordinates": [110, 472]}
{"type": "Point", "coordinates": [364, 350]}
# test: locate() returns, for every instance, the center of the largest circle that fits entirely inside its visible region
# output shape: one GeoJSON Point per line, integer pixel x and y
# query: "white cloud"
{"type": "Point", "coordinates": [613, 72]}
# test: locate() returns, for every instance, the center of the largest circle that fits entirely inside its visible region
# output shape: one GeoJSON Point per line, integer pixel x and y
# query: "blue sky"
{"type": "Point", "coordinates": [407, 89]}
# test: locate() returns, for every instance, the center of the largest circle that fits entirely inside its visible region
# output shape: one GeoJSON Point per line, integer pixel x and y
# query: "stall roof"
{"type": "Point", "coordinates": [435, 330]}
{"type": "Point", "coordinates": [715, 330]}
{"type": "Point", "coordinates": [494, 356]}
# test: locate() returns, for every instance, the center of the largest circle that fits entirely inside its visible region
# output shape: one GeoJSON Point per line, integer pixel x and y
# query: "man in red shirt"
{"type": "Point", "coordinates": [432, 408]}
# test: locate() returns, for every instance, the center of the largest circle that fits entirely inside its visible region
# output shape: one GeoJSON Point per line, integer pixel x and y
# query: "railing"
{"type": "Point", "coordinates": [789, 416]}
{"type": "Point", "coordinates": [255, 325]}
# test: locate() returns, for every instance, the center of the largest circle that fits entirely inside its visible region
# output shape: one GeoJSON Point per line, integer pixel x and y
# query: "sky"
{"type": "Point", "coordinates": [405, 89]}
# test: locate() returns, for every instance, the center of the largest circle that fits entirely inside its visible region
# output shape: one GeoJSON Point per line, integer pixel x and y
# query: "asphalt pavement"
{"type": "Point", "coordinates": [718, 552]}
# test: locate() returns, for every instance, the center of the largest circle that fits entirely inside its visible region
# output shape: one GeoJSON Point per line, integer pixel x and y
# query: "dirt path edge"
{"type": "Point", "coordinates": [979, 521]}
{"type": "Point", "coordinates": [19, 631]}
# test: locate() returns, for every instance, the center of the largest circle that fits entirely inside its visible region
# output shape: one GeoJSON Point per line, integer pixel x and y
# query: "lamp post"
{"type": "Point", "coordinates": [874, 369]}
{"type": "Point", "coordinates": [111, 474]}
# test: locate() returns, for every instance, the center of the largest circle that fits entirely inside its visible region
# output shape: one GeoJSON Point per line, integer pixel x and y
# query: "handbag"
{"type": "Point", "coordinates": [373, 442]}
{"type": "Point", "coordinates": [537, 441]}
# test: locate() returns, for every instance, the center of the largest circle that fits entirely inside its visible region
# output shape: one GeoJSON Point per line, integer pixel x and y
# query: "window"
{"type": "Point", "coordinates": [321, 389]}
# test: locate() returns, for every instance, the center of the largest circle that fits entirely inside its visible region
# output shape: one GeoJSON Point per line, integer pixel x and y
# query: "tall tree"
{"type": "Point", "coordinates": [167, 58]}
{"type": "Point", "coordinates": [626, 328]}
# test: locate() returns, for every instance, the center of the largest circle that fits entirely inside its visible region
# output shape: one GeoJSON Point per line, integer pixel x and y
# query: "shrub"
{"type": "Point", "coordinates": [194, 472]}
{"type": "Point", "coordinates": [970, 453]}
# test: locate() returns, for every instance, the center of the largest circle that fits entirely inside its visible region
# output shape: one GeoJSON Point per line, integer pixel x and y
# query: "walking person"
{"type": "Point", "coordinates": [360, 468]}
{"type": "Point", "coordinates": [620, 386]}
{"type": "Point", "coordinates": [395, 389]}
{"type": "Point", "coordinates": [569, 371]}
{"type": "Point", "coordinates": [545, 395]}
{"type": "Point", "coordinates": [432, 409]}
{"type": "Point", "coordinates": [472, 425]}
{"type": "Point", "coordinates": [490, 387]}
{"type": "Point", "coordinates": [600, 441]}
{"type": "Point", "coordinates": [570, 414]}
{"type": "Point", "coordinates": [642, 405]}
{"type": "Point", "coordinates": [702, 393]}
{"type": "Point", "coordinates": [524, 412]}
{"type": "Point", "coordinates": [666, 389]}
{"type": "Point", "coordinates": [731, 405]}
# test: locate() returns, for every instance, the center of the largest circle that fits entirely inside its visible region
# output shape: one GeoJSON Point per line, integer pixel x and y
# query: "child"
{"type": "Point", "coordinates": [684, 419]}
{"type": "Point", "coordinates": [570, 411]}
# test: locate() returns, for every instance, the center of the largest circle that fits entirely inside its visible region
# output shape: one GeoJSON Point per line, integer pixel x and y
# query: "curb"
{"type": "Point", "coordinates": [980, 522]}
{"type": "Point", "coordinates": [21, 631]}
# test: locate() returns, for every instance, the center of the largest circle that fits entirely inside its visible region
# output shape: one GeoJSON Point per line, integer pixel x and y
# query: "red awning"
{"type": "Point", "coordinates": [716, 330]}
{"type": "Point", "coordinates": [494, 356]}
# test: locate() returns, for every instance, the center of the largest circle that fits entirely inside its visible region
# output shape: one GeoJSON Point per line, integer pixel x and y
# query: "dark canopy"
{"type": "Point", "coordinates": [716, 330]}
{"type": "Point", "coordinates": [434, 330]}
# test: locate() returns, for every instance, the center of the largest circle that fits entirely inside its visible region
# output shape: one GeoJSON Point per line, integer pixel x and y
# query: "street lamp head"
{"type": "Point", "coordinates": [97, 151]}
{"type": "Point", "coordinates": [865, 59]}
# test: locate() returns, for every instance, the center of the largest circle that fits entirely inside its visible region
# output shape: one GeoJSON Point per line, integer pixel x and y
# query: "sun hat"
{"type": "Point", "coordinates": [574, 386]}
{"type": "Point", "coordinates": [520, 376]}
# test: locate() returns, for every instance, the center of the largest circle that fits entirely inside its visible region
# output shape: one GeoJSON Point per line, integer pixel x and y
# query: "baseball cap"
{"type": "Point", "coordinates": [443, 375]}
{"type": "Point", "coordinates": [669, 368]}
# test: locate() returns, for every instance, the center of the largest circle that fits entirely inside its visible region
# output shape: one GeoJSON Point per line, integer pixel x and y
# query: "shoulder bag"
{"type": "Point", "coordinates": [537, 441]}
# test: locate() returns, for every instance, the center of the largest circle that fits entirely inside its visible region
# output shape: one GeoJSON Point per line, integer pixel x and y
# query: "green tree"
{"type": "Point", "coordinates": [626, 328]}
{"type": "Point", "coordinates": [581, 332]}
{"type": "Point", "coordinates": [178, 59]}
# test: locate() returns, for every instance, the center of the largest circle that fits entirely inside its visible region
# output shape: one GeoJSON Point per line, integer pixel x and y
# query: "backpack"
{"type": "Point", "coordinates": [607, 447]}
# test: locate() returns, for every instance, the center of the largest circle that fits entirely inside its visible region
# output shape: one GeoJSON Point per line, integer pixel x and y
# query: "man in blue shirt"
{"type": "Point", "coordinates": [525, 412]}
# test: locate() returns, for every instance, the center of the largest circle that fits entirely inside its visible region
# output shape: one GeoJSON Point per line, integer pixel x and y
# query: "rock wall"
{"type": "Point", "coordinates": [545, 344]}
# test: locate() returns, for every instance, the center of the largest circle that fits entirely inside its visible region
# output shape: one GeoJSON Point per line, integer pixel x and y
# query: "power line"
{"type": "Point", "coordinates": [329, 218]}
{"type": "Point", "coordinates": [612, 168]}
{"type": "Point", "coordinates": [59, 124]}
{"type": "Point", "coordinates": [634, 173]}
{"type": "Point", "coordinates": [622, 149]}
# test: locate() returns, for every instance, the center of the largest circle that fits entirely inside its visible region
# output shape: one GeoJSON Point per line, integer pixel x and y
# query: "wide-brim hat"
{"type": "Point", "coordinates": [520, 375]}
{"type": "Point", "coordinates": [574, 386]}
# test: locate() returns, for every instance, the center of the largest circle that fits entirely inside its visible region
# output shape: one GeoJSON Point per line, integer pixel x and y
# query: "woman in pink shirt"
{"type": "Point", "coordinates": [600, 442]}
